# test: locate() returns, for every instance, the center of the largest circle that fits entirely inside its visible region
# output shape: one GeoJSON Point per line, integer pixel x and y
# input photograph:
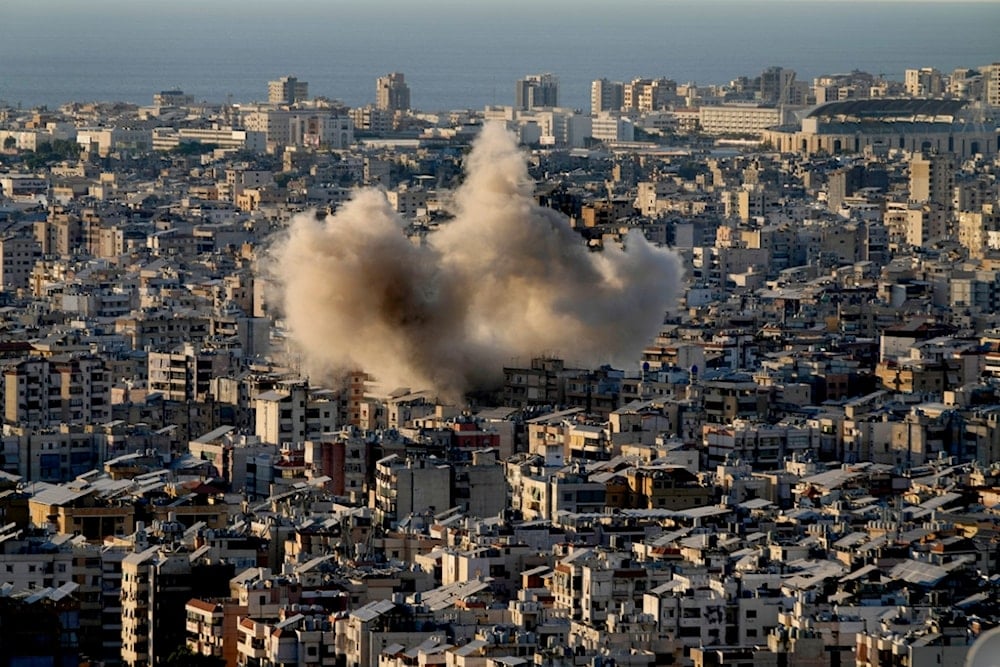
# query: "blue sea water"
{"type": "Point", "coordinates": [462, 54]}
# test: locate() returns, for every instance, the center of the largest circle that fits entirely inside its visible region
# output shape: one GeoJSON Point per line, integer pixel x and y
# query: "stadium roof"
{"type": "Point", "coordinates": [887, 107]}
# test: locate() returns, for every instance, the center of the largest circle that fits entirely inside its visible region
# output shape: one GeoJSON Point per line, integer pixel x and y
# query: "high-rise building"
{"type": "Point", "coordinates": [287, 90]}
{"type": "Point", "coordinates": [932, 179]}
{"type": "Point", "coordinates": [648, 94]}
{"type": "Point", "coordinates": [536, 91]}
{"type": "Point", "coordinates": [923, 82]}
{"type": "Point", "coordinates": [966, 84]}
{"type": "Point", "coordinates": [932, 184]}
{"type": "Point", "coordinates": [605, 96]}
{"type": "Point", "coordinates": [392, 93]}
{"type": "Point", "coordinates": [776, 84]}
{"type": "Point", "coordinates": [57, 390]}
{"type": "Point", "coordinates": [991, 84]}
{"type": "Point", "coordinates": [156, 585]}
{"type": "Point", "coordinates": [18, 254]}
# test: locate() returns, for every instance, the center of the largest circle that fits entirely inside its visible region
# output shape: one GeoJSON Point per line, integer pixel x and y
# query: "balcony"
{"type": "Point", "coordinates": [252, 651]}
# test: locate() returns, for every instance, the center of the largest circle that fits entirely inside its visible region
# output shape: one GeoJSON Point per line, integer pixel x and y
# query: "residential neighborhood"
{"type": "Point", "coordinates": [799, 466]}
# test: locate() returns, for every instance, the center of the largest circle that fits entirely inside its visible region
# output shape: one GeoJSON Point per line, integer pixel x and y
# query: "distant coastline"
{"type": "Point", "coordinates": [457, 57]}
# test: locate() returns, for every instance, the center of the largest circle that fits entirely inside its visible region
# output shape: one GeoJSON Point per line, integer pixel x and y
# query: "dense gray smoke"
{"type": "Point", "coordinates": [504, 279]}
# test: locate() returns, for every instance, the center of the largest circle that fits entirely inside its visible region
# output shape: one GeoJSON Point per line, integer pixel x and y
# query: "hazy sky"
{"type": "Point", "coordinates": [464, 52]}
{"type": "Point", "coordinates": [196, 8]}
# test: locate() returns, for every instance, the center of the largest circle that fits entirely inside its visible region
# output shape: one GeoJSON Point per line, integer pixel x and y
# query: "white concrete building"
{"type": "Point", "coordinates": [313, 127]}
{"type": "Point", "coordinates": [739, 119]}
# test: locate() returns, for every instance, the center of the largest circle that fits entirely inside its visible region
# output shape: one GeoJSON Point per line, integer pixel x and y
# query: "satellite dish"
{"type": "Point", "coordinates": [985, 652]}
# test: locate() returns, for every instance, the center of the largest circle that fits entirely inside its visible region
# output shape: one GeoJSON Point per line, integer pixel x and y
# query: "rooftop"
{"type": "Point", "coordinates": [887, 108]}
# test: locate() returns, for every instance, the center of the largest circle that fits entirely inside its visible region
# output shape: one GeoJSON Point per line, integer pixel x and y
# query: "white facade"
{"type": "Point", "coordinates": [104, 140]}
{"type": "Point", "coordinates": [605, 96]}
{"type": "Point", "coordinates": [302, 127]}
{"type": "Point", "coordinates": [738, 119]}
{"type": "Point", "coordinates": [224, 138]}
{"type": "Point", "coordinates": [291, 415]}
{"type": "Point", "coordinates": [610, 127]}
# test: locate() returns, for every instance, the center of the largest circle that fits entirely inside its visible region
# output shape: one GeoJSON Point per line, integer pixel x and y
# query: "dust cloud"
{"type": "Point", "coordinates": [506, 278]}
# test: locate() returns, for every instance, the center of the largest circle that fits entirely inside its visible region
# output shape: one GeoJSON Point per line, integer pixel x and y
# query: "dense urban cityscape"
{"type": "Point", "coordinates": [703, 375]}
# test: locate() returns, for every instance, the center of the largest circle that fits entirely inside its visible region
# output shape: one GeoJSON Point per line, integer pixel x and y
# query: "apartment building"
{"type": "Point", "coordinates": [405, 487]}
{"type": "Point", "coordinates": [300, 636]}
{"type": "Point", "coordinates": [287, 90]}
{"type": "Point", "coordinates": [236, 459]}
{"type": "Point", "coordinates": [186, 375]}
{"type": "Point", "coordinates": [367, 630]}
{"type": "Point", "coordinates": [157, 584]}
{"type": "Point", "coordinates": [536, 91]}
{"type": "Point", "coordinates": [292, 413]}
{"type": "Point", "coordinates": [57, 390]}
{"type": "Point", "coordinates": [739, 119]}
{"type": "Point", "coordinates": [211, 627]}
{"type": "Point", "coordinates": [605, 96]}
{"type": "Point", "coordinates": [372, 120]}
{"type": "Point", "coordinates": [87, 508]}
{"type": "Point", "coordinates": [923, 82]}
{"type": "Point", "coordinates": [761, 445]}
{"type": "Point", "coordinates": [162, 329]}
{"type": "Point", "coordinates": [391, 93]}
{"type": "Point", "coordinates": [53, 454]}
{"type": "Point", "coordinates": [310, 127]}
{"type": "Point", "coordinates": [991, 84]}
{"type": "Point", "coordinates": [645, 95]}
{"type": "Point", "coordinates": [33, 563]}
{"type": "Point", "coordinates": [343, 457]}
{"type": "Point", "coordinates": [18, 254]}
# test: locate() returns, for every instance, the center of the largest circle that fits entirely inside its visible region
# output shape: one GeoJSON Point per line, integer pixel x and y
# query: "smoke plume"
{"type": "Point", "coordinates": [504, 279]}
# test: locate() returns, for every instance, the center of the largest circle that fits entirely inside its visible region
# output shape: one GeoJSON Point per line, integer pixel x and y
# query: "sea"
{"type": "Point", "coordinates": [463, 54]}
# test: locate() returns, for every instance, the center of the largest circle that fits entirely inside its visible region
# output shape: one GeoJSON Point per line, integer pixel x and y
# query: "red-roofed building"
{"type": "Point", "coordinates": [211, 627]}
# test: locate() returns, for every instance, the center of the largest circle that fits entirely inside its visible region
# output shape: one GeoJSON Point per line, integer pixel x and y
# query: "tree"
{"type": "Point", "coordinates": [193, 148]}
{"type": "Point", "coordinates": [9, 143]}
{"type": "Point", "coordinates": [47, 153]}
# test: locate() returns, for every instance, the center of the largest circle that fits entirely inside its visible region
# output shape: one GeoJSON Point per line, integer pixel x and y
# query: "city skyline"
{"type": "Point", "coordinates": [474, 334]}
{"type": "Point", "coordinates": [468, 56]}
